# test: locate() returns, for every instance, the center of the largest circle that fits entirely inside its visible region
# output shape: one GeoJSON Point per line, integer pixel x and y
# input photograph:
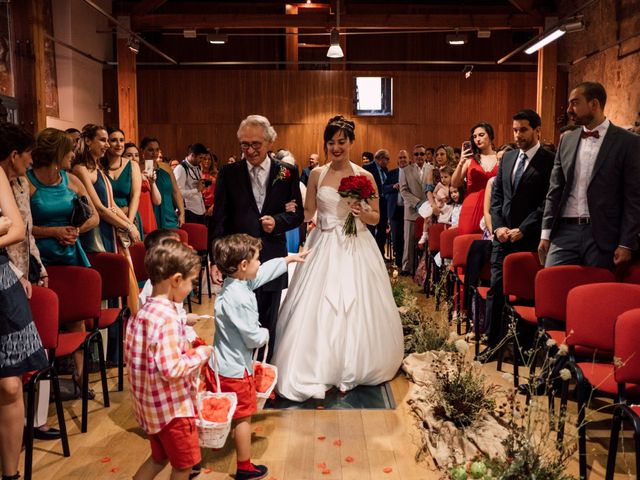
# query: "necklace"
{"type": "Point", "coordinates": [111, 169]}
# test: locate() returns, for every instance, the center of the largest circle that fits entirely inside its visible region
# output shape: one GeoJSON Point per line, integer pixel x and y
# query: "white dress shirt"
{"type": "Point", "coordinates": [259, 176]}
{"type": "Point", "coordinates": [187, 178]}
{"type": "Point", "coordinates": [588, 149]}
{"type": "Point", "coordinates": [530, 154]}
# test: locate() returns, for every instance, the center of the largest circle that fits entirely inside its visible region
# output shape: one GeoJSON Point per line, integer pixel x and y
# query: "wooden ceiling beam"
{"type": "Point", "coordinates": [147, 6]}
{"type": "Point", "coordinates": [524, 6]}
{"type": "Point", "coordinates": [388, 21]}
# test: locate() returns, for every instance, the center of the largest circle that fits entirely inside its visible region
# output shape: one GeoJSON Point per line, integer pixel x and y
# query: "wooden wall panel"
{"type": "Point", "coordinates": [183, 106]}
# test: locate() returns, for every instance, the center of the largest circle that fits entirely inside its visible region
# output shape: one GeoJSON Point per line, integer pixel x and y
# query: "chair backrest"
{"type": "Point", "coordinates": [419, 226]}
{"type": "Point", "coordinates": [184, 236]}
{"type": "Point", "coordinates": [137, 252]}
{"type": "Point", "coordinates": [592, 311]}
{"type": "Point", "coordinates": [461, 246]}
{"type": "Point", "coordinates": [435, 231]}
{"type": "Point", "coordinates": [446, 242]}
{"type": "Point", "coordinates": [114, 270]}
{"type": "Point", "coordinates": [79, 291]}
{"type": "Point", "coordinates": [519, 274]}
{"type": "Point", "coordinates": [197, 235]}
{"type": "Point", "coordinates": [626, 341]}
{"type": "Point", "coordinates": [44, 310]}
{"type": "Point", "coordinates": [629, 272]}
{"type": "Point", "coordinates": [553, 284]}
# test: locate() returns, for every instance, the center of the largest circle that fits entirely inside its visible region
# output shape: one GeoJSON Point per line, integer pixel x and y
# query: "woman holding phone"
{"type": "Point", "coordinates": [149, 193]}
{"type": "Point", "coordinates": [477, 165]}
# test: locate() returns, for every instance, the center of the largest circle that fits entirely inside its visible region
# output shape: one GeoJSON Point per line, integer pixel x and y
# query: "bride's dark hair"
{"type": "Point", "coordinates": [337, 124]}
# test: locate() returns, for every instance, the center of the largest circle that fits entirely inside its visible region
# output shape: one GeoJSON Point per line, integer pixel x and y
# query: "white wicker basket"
{"type": "Point", "coordinates": [214, 434]}
{"type": "Point", "coordinates": [262, 397]}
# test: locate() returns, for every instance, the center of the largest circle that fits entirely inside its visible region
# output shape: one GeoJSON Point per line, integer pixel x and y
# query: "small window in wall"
{"type": "Point", "coordinates": [373, 96]}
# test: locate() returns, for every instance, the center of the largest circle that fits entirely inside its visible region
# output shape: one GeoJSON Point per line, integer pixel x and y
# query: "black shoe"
{"type": "Point", "coordinates": [50, 434]}
{"type": "Point", "coordinates": [11, 477]}
{"type": "Point", "coordinates": [195, 471]}
{"type": "Point", "coordinates": [260, 471]}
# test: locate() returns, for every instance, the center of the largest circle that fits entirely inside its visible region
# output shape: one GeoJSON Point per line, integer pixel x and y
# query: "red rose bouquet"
{"type": "Point", "coordinates": [356, 187]}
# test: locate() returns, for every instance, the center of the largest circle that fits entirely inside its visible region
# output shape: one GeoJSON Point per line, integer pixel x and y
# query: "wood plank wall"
{"type": "Point", "coordinates": [183, 106]}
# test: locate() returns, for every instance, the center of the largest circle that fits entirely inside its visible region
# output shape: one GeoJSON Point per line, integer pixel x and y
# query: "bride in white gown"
{"type": "Point", "coordinates": [338, 325]}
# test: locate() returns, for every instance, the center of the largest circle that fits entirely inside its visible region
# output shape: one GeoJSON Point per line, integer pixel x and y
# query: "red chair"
{"type": "Point", "coordinates": [433, 247]}
{"type": "Point", "coordinates": [629, 272]}
{"type": "Point", "coordinates": [518, 283]}
{"type": "Point", "coordinates": [79, 292]}
{"type": "Point", "coordinates": [184, 236]}
{"type": "Point", "coordinates": [461, 246]}
{"type": "Point", "coordinates": [44, 310]}
{"type": "Point", "coordinates": [114, 271]}
{"type": "Point", "coordinates": [592, 311]}
{"type": "Point", "coordinates": [198, 239]}
{"type": "Point", "coordinates": [137, 252]}
{"type": "Point", "coordinates": [626, 341]}
{"type": "Point", "coordinates": [446, 255]}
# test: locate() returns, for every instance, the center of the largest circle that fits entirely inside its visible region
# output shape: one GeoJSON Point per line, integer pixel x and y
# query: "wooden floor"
{"type": "Point", "coordinates": [296, 445]}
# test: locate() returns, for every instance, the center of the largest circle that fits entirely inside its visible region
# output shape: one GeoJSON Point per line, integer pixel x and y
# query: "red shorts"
{"type": "Point", "coordinates": [245, 389]}
{"type": "Point", "coordinates": [178, 442]}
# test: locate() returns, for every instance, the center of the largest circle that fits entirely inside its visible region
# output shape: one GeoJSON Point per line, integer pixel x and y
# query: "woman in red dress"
{"type": "Point", "coordinates": [477, 165]}
{"type": "Point", "coordinates": [149, 195]}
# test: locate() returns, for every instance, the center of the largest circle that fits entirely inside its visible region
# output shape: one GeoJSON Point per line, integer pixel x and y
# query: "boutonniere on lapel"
{"type": "Point", "coordinates": [283, 174]}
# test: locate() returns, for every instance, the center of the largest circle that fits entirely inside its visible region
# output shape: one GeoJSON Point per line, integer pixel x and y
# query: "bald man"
{"type": "Point", "coordinates": [314, 161]}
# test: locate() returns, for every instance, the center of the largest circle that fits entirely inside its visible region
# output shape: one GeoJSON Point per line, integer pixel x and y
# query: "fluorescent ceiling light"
{"type": "Point", "coordinates": [456, 39]}
{"type": "Point", "coordinates": [334, 50]}
{"type": "Point", "coordinates": [217, 38]}
{"type": "Point", "coordinates": [546, 40]}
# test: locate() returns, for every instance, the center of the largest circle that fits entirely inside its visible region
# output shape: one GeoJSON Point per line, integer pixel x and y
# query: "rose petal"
{"type": "Point", "coordinates": [258, 429]}
{"type": "Point", "coordinates": [337, 442]}
{"type": "Point", "coordinates": [321, 437]}
{"type": "Point", "coordinates": [322, 466]}
{"type": "Point", "coordinates": [387, 469]}
{"type": "Point", "coordinates": [326, 471]}
{"type": "Point", "coordinates": [320, 407]}
{"type": "Point", "coordinates": [115, 470]}
{"type": "Point", "coordinates": [105, 459]}
{"type": "Point", "coordinates": [207, 470]}
{"type": "Point", "coordinates": [348, 459]}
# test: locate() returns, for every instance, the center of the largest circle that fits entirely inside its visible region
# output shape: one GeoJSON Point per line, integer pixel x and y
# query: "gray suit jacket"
{"type": "Point", "coordinates": [412, 191]}
{"type": "Point", "coordinates": [613, 194]}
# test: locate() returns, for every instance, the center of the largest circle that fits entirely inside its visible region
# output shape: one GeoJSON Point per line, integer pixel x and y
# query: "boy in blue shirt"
{"type": "Point", "coordinates": [238, 332]}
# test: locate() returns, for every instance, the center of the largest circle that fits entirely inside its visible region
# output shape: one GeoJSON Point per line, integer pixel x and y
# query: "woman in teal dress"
{"type": "Point", "coordinates": [165, 181]}
{"type": "Point", "coordinates": [126, 181]}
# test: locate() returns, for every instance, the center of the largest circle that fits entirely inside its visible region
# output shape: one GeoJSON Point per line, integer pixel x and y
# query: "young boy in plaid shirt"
{"type": "Point", "coordinates": [162, 366]}
{"type": "Point", "coordinates": [238, 332]}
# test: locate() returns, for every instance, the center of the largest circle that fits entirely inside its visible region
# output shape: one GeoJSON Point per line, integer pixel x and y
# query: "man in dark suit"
{"type": "Point", "coordinates": [314, 161]}
{"type": "Point", "coordinates": [592, 210]}
{"type": "Point", "coordinates": [250, 198]}
{"type": "Point", "coordinates": [378, 168]}
{"type": "Point", "coordinates": [395, 207]}
{"type": "Point", "coordinates": [517, 203]}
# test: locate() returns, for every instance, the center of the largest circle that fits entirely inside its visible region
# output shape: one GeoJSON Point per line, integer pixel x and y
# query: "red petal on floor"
{"type": "Point", "coordinates": [337, 442]}
{"type": "Point", "coordinates": [321, 437]}
{"type": "Point", "coordinates": [326, 471]}
{"type": "Point", "coordinates": [387, 469]}
{"type": "Point", "coordinates": [105, 459]}
{"type": "Point", "coordinates": [322, 466]}
{"type": "Point", "coordinates": [320, 407]}
{"type": "Point", "coordinates": [115, 470]}
{"type": "Point", "coordinates": [207, 470]}
{"type": "Point", "coordinates": [258, 429]}
{"type": "Point", "coordinates": [348, 459]}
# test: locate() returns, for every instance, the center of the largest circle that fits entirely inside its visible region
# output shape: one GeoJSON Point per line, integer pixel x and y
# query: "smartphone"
{"type": "Point", "coordinates": [149, 165]}
{"type": "Point", "coordinates": [466, 145]}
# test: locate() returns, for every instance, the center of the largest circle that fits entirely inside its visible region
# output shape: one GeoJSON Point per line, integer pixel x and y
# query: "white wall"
{"type": "Point", "coordinates": [80, 79]}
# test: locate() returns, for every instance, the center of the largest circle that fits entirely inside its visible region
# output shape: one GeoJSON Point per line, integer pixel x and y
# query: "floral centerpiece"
{"type": "Point", "coordinates": [357, 188]}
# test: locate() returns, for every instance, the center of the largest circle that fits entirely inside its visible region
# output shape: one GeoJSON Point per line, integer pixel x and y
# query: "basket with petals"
{"type": "Point", "coordinates": [358, 188]}
{"type": "Point", "coordinates": [215, 412]}
{"type": "Point", "coordinates": [265, 376]}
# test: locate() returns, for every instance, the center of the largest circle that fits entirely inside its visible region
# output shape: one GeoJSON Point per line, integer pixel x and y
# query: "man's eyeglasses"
{"type": "Point", "coordinates": [418, 154]}
{"type": "Point", "coordinates": [255, 145]}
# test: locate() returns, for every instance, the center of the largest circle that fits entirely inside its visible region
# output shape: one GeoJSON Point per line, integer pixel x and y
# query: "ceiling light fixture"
{"type": "Point", "coordinates": [134, 44]}
{"type": "Point", "coordinates": [456, 38]}
{"type": "Point", "coordinates": [467, 70]}
{"type": "Point", "coordinates": [189, 33]}
{"type": "Point", "coordinates": [572, 25]}
{"type": "Point", "coordinates": [217, 38]}
{"type": "Point", "coordinates": [484, 33]}
{"type": "Point", "coordinates": [335, 51]}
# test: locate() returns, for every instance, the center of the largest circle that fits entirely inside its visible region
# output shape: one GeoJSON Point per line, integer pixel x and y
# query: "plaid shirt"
{"type": "Point", "coordinates": [161, 365]}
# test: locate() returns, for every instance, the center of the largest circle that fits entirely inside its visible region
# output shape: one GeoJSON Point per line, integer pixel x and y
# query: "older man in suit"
{"type": "Point", "coordinates": [412, 191]}
{"type": "Point", "coordinates": [250, 197]}
{"type": "Point", "coordinates": [592, 210]}
{"type": "Point", "coordinates": [378, 168]}
{"type": "Point", "coordinates": [395, 206]}
{"type": "Point", "coordinates": [517, 203]}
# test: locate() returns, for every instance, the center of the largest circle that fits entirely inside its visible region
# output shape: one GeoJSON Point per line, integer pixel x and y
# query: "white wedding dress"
{"type": "Point", "coordinates": [338, 325]}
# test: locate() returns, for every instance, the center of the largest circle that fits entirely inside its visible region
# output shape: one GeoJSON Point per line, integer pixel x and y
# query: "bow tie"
{"type": "Point", "coordinates": [594, 134]}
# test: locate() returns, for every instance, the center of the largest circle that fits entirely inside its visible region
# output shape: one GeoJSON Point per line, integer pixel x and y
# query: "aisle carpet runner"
{"type": "Point", "coordinates": [377, 397]}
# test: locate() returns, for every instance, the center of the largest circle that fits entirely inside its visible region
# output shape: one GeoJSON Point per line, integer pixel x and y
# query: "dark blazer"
{"type": "Point", "coordinates": [304, 178]}
{"type": "Point", "coordinates": [613, 194]}
{"type": "Point", "coordinates": [390, 193]}
{"type": "Point", "coordinates": [523, 208]}
{"type": "Point", "coordinates": [235, 209]}
{"type": "Point", "coordinates": [372, 168]}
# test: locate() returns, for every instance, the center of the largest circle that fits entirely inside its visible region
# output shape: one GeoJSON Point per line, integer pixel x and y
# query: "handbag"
{"type": "Point", "coordinates": [81, 212]}
{"type": "Point", "coordinates": [34, 269]}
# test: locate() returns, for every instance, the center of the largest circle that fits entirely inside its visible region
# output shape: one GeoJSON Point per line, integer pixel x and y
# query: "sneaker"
{"type": "Point", "coordinates": [195, 471]}
{"type": "Point", "coordinates": [259, 471]}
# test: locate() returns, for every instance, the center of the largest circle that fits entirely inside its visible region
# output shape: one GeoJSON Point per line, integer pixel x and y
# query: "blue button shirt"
{"type": "Point", "coordinates": [238, 330]}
